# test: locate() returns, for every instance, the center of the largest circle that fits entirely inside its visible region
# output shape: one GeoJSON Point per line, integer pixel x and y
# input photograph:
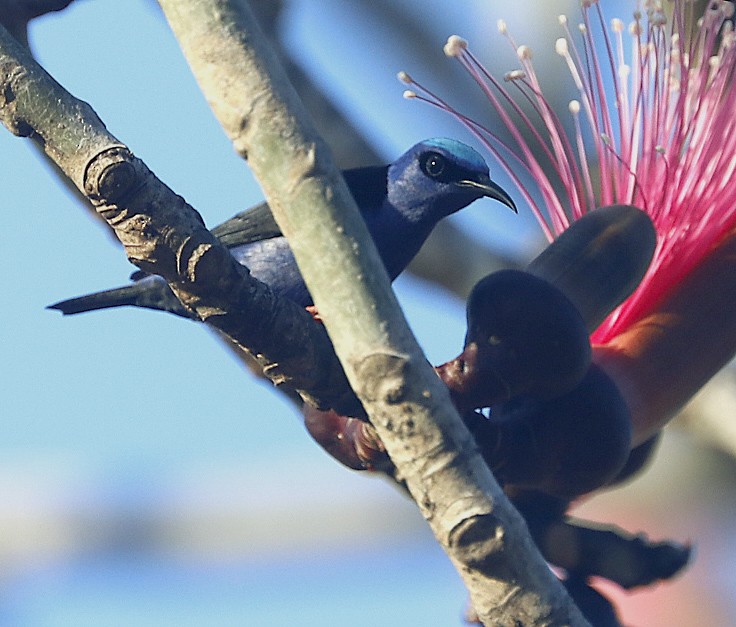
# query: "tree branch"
{"type": "Point", "coordinates": [407, 404]}
{"type": "Point", "coordinates": [164, 235]}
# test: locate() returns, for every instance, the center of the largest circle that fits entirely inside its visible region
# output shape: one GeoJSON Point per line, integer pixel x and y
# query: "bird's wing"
{"type": "Point", "coordinates": [252, 225]}
{"type": "Point", "coordinates": [367, 185]}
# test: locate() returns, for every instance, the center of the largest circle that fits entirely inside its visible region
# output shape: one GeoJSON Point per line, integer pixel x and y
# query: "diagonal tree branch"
{"type": "Point", "coordinates": [407, 404]}
{"type": "Point", "coordinates": [164, 235]}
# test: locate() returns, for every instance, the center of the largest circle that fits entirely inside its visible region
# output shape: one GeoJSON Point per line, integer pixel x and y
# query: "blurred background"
{"type": "Point", "coordinates": [146, 478]}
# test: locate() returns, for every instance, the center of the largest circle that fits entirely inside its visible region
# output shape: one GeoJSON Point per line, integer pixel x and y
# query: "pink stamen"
{"type": "Point", "coordinates": [669, 148]}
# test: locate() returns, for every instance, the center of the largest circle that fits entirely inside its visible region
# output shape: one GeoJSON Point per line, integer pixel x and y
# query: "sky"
{"type": "Point", "coordinates": [145, 477]}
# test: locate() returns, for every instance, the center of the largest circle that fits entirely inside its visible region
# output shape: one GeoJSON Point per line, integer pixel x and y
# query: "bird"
{"type": "Point", "coordinates": [401, 203]}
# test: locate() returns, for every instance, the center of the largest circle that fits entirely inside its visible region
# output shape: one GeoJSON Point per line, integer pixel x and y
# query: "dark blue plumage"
{"type": "Point", "coordinates": [400, 203]}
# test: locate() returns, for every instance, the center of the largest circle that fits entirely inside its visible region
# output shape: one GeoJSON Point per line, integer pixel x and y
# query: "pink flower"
{"type": "Point", "coordinates": [654, 121]}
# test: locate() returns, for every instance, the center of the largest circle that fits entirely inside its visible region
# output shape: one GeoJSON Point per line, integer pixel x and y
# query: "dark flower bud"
{"type": "Point", "coordinates": [524, 337]}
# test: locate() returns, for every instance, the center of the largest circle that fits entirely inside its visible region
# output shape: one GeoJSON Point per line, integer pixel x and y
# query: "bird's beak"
{"type": "Point", "coordinates": [488, 188]}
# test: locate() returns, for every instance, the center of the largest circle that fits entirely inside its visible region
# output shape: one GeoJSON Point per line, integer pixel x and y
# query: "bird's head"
{"type": "Point", "coordinates": [438, 177]}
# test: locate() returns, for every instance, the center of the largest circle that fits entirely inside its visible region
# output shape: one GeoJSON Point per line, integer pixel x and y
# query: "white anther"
{"type": "Point", "coordinates": [514, 75]}
{"type": "Point", "coordinates": [455, 46]}
{"type": "Point", "coordinates": [524, 52]}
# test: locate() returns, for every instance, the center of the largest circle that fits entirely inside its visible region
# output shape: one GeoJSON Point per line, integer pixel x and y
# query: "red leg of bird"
{"type": "Point", "coordinates": [315, 314]}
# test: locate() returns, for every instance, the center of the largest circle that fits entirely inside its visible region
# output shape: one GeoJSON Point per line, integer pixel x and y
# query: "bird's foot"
{"type": "Point", "coordinates": [315, 314]}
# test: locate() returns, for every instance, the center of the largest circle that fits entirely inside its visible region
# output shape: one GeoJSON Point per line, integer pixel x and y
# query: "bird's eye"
{"type": "Point", "coordinates": [433, 164]}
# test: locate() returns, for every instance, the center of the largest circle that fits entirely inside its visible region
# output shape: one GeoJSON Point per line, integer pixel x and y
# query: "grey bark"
{"type": "Point", "coordinates": [410, 409]}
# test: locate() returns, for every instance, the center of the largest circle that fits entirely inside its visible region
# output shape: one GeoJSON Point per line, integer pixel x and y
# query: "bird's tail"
{"type": "Point", "coordinates": [151, 293]}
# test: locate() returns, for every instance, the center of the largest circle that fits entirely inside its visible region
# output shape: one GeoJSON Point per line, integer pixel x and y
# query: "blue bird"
{"type": "Point", "coordinates": [401, 203]}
